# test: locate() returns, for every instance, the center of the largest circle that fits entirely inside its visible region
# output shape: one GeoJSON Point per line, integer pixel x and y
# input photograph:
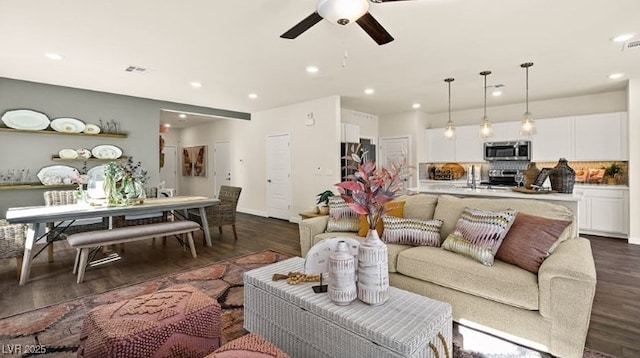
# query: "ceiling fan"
{"type": "Point", "coordinates": [344, 12]}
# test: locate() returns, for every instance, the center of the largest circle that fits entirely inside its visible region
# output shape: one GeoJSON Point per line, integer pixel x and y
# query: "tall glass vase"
{"type": "Point", "coordinates": [373, 272]}
{"type": "Point", "coordinates": [111, 190]}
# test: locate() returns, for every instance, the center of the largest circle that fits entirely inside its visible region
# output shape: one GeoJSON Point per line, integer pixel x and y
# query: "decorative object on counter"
{"type": "Point", "coordinates": [486, 131]}
{"type": "Point", "coordinates": [612, 172]}
{"type": "Point", "coordinates": [449, 129]}
{"type": "Point", "coordinates": [367, 191]}
{"type": "Point", "coordinates": [595, 176]}
{"type": "Point", "coordinates": [323, 201]}
{"type": "Point", "coordinates": [530, 175]}
{"type": "Point", "coordinates": [532, 190]}
{"type": "Point", "coordinates": [519, 178]}
{"type": "Point", "coordinates": [342, 276]}
{"type": "Point", "coordinates": [540, 179]}
{"type": "Point", "coordinates": [67, 125]}
{"type": "Point", "coordinates": [317, 258]}
{"type": "Point", "coordinates": [26, 119]}
{"type": "Point", "coordinates": [124, 183]}
{"type": "Point", "coordinates": [562, 177]}
{"type": "Point", "coordinates": [456, 170]}
{"type": "Point", "coordinates": [527, 124]}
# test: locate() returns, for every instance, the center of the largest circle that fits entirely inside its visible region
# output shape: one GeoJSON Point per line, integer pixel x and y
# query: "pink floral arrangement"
{"type": "Point", "coordinates": [369, 189]}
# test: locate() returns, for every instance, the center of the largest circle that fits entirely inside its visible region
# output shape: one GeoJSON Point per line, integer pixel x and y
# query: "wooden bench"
{"type": "Point", "coordinates": [85, 241]}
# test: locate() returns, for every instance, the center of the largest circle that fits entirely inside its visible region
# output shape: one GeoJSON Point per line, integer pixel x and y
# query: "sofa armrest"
{"type": "Point", "coordinates": [309, 228]}
{"type": "Point", "coordinates": [567, 283]}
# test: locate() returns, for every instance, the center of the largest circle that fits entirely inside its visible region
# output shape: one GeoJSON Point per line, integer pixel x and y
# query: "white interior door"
{"type": "Point", "coordinates": [391, 151]}
{"type": "Point", "coordinates": [279, 176]}
{"type": "Point", "coordinates": [169, 172]}
{"type": "Point", "coordinates": [222, 165]}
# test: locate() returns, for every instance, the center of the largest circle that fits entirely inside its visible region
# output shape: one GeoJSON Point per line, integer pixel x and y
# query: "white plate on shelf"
{"type": "Point", "coordinates": [25, 119]}
{"type": "Point", "coordinates": [67, 125]}
{"type": "Point", "coordinates": [57, 174]}
{"type": "Point", "coordinates": [83, 153]}
{"type": "Point", "coordinates": [91, 129]}
{"type": "Point", "coordinates": [68, 154]}
{"type": "Point", "coordinates": [106, 151]}
{"type": "Point", "coordinates": [97, 170]}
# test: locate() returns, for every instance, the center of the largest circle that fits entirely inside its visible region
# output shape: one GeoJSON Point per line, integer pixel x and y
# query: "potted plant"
{"type": "Point", "coordinates": [323, 201]}
{"type": "Point", "coordinates": [612, 172]}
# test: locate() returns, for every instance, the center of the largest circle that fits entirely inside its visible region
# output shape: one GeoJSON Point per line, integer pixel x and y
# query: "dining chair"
{"type": "Point", "coordinates": [57, 231]}
{"type": "Point", "coordinates": [223, 213]}
{"type": "Point", "coordinates": [12, 238]}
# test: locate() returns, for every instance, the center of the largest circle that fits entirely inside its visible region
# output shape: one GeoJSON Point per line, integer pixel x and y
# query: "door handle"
{"type": "Point", "coordinates": [268, 180]}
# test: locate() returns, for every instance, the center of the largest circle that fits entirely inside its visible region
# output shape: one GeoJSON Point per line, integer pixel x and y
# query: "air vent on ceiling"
{"type": "Point", "coordinates": [135, 69]}
{"type": "Point", "coordinates": [631, 45]}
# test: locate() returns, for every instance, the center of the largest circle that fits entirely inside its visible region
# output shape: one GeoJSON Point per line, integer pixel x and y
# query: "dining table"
{"type": "Point", "coordinates": [36, 216]}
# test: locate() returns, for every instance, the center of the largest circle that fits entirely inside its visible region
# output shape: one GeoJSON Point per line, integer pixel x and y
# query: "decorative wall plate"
{"type": "Point", "coordinates": [97, 170]}
{"type": "Point", "coordinates": [106, 151]}
{"type": "Point", "coordinates": [91, 129]}
{"type": "Point", "coordinates": [68, 154]}
{"type": "Point", "coordinates": [67, 125]}
{"type": "Point", "coordinates": [25, 119]}
{"type": "Point", "coordinates": [83, 153]}
{"type": "Point", "coordinates": [57, 174]}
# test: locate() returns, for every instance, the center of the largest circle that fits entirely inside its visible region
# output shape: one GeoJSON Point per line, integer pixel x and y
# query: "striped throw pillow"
{"type": "Point", "coordinates": [479, 233]}
{"type": "Point", "coordinates": [408, 231]}
{"type": "Point", "coordinates": [341, 217]}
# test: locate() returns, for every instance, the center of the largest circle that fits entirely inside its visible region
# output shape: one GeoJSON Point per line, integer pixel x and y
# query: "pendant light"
{"type": "Point", "coordinates": [486, 131]}
{"type": "Point", "coordinates": [450, 130]}
{"type": "Point", "coordinates": [527, 125]}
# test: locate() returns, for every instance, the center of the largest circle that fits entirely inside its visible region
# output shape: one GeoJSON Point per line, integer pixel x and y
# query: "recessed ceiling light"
{"type": "Point", "coordinates": [167, 125]}
{"type": "Point", "coordinates": [623, 37]}
{"type": "Point", "coordinates": [312, 69]}
{"type": "Point", "coordinates": [196, 84]}
{"type": "Point", "coordinates": [253, 95]}
{"type": "Point", "coordinates": [615, 76]}
{"type": "Point", "coordinates": [182, 115]}
{"type": "Point", "coordinates": [53, 56]}
{"type": "Point", "coordinates": [369, 91]}
{"type": "Point", "coordinates": [415, 105]}
{"type": "Point", "coordinates": [496, 92]}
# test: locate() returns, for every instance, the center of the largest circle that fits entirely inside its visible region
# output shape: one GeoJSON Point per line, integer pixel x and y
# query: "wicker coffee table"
{"type": "Point", "coordinates": [306, 324]}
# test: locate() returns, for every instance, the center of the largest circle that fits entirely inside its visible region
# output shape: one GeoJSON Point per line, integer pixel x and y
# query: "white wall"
{"type": "Point", "coordinates": [368, 123]}
{"type": "Point", "coordinates": [316, 146]}
{"type": "Point", "coordinates": [634, 159]}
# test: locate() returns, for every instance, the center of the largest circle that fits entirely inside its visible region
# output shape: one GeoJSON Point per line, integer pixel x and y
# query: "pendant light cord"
{"type": "Point", "coordinates": [485, 96]}
{"type": "Point", "coordinates": [527, 90]}
{"type": "Point", "coordinates": [449, 101]}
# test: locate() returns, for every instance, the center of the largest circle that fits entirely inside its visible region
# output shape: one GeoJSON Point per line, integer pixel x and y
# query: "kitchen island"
{"type": "Point", "coordinates": [460, 189]}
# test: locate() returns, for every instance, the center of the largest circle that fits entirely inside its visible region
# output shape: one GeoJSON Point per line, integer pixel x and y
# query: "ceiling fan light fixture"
{"type": "Point", "coordinates": [342, 11]}
{"type": "Point", "coordinates": [486, 131]}
{"type": "Point", "coordinates": [449, 129]}
{"type": "Point", "coordinates": [527, 124]}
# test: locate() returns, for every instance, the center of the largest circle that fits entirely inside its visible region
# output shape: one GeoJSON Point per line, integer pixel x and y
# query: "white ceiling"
{"type": "Point", "coordinates": [233, 48]}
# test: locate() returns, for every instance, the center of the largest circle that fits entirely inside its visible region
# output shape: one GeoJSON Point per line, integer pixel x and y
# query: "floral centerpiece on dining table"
{"type": "Point", "coordinates": [367, 191]}
{"type": "Point", "coordinates": [124, 182]}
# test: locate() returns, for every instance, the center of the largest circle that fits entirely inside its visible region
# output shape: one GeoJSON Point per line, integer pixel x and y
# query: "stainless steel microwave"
{"type": "Point", "coordinates": [512, 150]}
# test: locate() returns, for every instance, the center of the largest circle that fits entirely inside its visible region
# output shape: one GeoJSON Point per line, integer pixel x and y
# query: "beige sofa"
{"type": "Point", "coordinates": [549, 311]}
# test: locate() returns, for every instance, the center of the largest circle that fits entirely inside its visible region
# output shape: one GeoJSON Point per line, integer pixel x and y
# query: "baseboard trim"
{"type": "Point", "coordinates": [252, 212]}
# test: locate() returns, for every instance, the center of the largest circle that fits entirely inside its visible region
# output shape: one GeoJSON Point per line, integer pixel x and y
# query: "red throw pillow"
{"type": "Point", "coordinates": [396, 208]}
{"type": "Point", "coordinates": [528, 241]}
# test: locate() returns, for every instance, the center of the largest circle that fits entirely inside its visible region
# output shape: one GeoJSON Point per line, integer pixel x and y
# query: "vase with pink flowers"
{"type": "Point", "coordinates": [367, 191]}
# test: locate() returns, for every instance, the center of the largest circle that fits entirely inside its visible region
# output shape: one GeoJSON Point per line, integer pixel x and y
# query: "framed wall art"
{"type": "Point", "coordinates": [194, 161]}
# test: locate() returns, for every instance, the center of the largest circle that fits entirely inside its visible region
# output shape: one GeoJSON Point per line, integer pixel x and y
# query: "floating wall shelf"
{"type": "Point", "coordinates": [109, 135]}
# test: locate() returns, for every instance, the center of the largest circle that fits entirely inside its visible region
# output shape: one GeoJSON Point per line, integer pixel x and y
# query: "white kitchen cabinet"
{"type": "Point", "coordinates": [554, 139]}
{"type": "Point", "coordinates": [349, 133]}
{"type": "Point", "coordinates": [439, 149]}
{"type": "Point", "coordinates": [468, 145]}
{"type": "Point", "coordinates": [600, 137]}
{"type": "Point", "coordinates": [604, 211]}
{"type": "Point", "coordinates": [506, 132]}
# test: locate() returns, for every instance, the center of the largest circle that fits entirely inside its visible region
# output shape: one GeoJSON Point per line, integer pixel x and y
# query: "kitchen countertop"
{"type": "Point", "coordinates": [459, 188]}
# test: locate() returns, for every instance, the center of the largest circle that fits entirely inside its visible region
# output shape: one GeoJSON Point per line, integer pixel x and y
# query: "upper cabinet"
{"type": "Point", "coordinates": [349, 133]}
{"type": "Point", "coordinates": [601, 137]}
{"type": "Point", "coordinates": [439, 149]}
{"type": "Point", "coordinates": [554, 139]}
{"type": "Point", "coordinates": [506, 131]}
{"type": "Point", "coordinates": [468, 145]}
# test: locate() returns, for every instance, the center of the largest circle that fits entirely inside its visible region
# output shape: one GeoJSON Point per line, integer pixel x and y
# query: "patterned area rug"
{"type": "Point", "coordinates": [56, 328]}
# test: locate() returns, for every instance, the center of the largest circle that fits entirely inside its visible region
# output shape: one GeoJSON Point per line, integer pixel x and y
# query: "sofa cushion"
{"type": "Point", "coordinates": [450, 207]}
{"type": "Point", "coordinates": [395, 208]}
{"type": "Point", "coordinates": [341, 217]}
{"type": "Point", "coordinates": [529, 240]}
{"type": "Point", "coordinates": [479, 233]}
{"type": "Point", "coordinates": [410, 231]}
{"type": "Point", "coordinates": [501, 282]}
{"type": "Point", "coordinates": [419, 206]}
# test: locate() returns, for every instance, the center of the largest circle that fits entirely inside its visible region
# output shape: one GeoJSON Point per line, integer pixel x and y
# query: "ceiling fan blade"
{"type": "Point", "coordinates": [379, 1]}
{"type": "Point", "coordinates": [302, 26]}
{"type": "Point", "coordinates": [372, 27]}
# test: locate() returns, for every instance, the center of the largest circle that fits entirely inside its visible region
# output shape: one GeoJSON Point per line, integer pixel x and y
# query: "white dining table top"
{"type": "Point", "coordinates": [40, 214]}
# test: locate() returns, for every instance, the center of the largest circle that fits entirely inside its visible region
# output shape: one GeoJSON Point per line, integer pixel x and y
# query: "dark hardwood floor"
{"type": "Point", "coordinates": [615, 318]}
